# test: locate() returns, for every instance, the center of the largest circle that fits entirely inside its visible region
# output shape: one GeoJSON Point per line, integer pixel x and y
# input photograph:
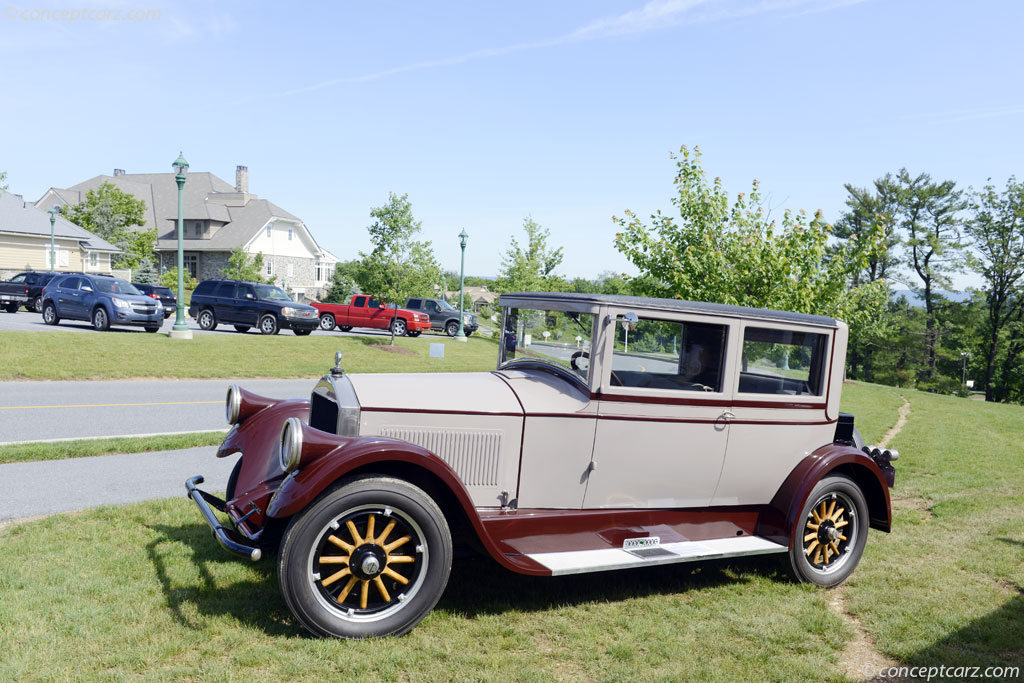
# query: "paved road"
{"type": "Point", "coordinates": [38, 411]}
{"type": "Point", "coordinates": [44, 488]}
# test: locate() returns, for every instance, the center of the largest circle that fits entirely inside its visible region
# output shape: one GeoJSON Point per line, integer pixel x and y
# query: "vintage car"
{"type": "Point", "coordinates": [616, 432]}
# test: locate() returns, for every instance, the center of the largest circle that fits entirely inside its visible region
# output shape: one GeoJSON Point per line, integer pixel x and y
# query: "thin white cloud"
{"type": "Point", "coordinates": [654, 15]}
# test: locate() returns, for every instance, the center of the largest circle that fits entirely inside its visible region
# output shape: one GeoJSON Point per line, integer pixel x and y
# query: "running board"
{"type": "Point", "coordinates": [582, 561]}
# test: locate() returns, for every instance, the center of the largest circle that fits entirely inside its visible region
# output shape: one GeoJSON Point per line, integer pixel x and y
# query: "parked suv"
{"type": "Point", "coordinates": [250, 304]}
{"type": "Point", "coordinates": [101, 299]}
{"type": "Point", "coordinates": [444, 317]}
{"type": "Point", "coordinates": [163, 294]}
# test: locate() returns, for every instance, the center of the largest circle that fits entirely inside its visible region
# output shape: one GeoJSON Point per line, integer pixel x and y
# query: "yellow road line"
{"type": "Point", "coordinates": [111, 405]}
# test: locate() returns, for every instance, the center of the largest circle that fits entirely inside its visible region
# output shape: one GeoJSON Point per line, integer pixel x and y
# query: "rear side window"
{"type": "Point", "coordinates": [782, 362]}
{"type": "Point", "coordinates": [20, 278]}
{"type": "Point", "coordinates": [226, 290]}
{"type": "Point", "coordinates": [359, 301]}
{"type": "Point", "coordinates": [663, 354]}
{"type": "Point", "coordinates": [415, 304]}
{"type": "Point", "coordinates": [205, 287]}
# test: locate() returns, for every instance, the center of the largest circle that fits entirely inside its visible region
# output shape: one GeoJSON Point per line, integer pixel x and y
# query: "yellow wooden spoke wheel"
{"type": "Point", "coordinates": [831, 532]}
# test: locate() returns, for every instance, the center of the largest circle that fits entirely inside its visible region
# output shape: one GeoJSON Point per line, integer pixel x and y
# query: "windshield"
{"type": "Point", "coordinates": [271, 293]}
{"type": "Point", "coordinates": [115, 286]}
{"type": "Point", "coordinates": [560, 338]}
{"type": "Point", "coordinates": [445, 306]}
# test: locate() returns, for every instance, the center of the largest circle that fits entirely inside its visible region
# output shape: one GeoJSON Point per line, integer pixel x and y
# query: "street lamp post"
{"type": "Point", "coordinates": [180, 328]}
{"type": "Point", "coordinates": [461, 335]}
{"type": "Point", "coordinates": [54, 210]}
{"type": "Point", "coordinates": [964, 355]}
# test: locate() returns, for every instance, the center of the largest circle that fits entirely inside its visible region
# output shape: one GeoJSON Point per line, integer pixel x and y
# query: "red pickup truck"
{"type": "Point", "coordinates": [369, 311]}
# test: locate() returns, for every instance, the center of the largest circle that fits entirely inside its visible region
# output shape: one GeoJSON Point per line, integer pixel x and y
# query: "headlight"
{"type": "Point", "coordinates": [233, 404]}
{"type": "Point", "coordinates": [121, 303]}
{"type": "Point", "coordinates": [291, 444]}
{"type": "Point", "coordinates": [467, 319]}
{"type": "Point", "coordinates": [290, 312]}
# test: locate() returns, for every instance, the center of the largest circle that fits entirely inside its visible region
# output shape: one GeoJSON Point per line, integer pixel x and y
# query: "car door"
{"type": "Point", "coordinates": [663, 418]}
{"type": "Point", "coordinates": [378, 315]}
{"type": "Point", "coordinates": [69, 298]}
{"type": "Point", "coordinates": [246, 305]}
{"type": "Point", "coordinates": [226, 308]}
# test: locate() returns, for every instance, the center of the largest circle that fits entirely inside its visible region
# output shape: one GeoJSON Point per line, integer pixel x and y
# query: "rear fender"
{"type": "Point", "coordinates": [779, 520]}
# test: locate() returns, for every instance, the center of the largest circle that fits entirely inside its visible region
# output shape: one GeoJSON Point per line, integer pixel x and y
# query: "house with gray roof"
{"type": "Point", "coordinates": [25, 241]}
{"type": "Point", "coordinates": [218, 217]}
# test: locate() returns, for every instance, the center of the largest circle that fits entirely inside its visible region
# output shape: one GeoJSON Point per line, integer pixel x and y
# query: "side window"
{"type": "Point", "coordinates": [782, 362]}
{"type": "Point", "coordinates": [662, 354]}
{"type": "Point", "coordinates": [226, 290]}
{"type": "Point", "coordinates": [359, 301]}
{"type": "Point", "coordinates": [437, 307]}
{"type": "Point", "coordinates": [374, 303]}
{"type": "Point", "coordinates": [414, 304]}
{"type": "Point", "coordinates": [71, 283]}
{"type": "Point", "coordinates": [246, 292]}
{"type": "Point", "coordinates": [19, 278]}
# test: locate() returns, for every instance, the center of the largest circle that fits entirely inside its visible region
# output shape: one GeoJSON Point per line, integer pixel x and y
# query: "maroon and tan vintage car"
{"type": "Point", "coordinates": [616, 432]}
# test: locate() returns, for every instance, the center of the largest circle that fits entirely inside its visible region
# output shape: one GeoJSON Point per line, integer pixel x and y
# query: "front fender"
{"type": "Point", "coordinates": [779, 521]}
{"type": "Point", "coordinates": [258, 438]}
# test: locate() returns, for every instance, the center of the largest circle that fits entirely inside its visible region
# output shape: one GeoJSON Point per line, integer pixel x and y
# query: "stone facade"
{"type": "Point", "coordinates": [302, 278]}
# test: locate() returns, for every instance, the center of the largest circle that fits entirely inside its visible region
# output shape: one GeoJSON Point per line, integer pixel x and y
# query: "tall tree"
{"type": "Point", "coordinates": [343, 283]}
{"type": "Point", "coordinates": [530, 268]}
{"type": "Point", "coordinates": [868, 211]}
{"type": "Point", "coordinates": [996, 229]}
{"type": "Point", "coordinates": [242, 266]}
{"type": "Point", "coordinates": [111, 214]}
{"type": "Point", "coordinates": [728, 251]}
{"type": "Point", "coordinates": [146, 273]}
{"type": "Point", "coordinates": [929, 214]}
{"type": "Point", "coordinates": [3, 177]}
{"type": "Point", "coordinates": [398, 266]}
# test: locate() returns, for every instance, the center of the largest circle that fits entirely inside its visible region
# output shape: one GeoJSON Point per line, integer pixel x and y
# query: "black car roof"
{"type": "Point", "coordinates": [645, 303]}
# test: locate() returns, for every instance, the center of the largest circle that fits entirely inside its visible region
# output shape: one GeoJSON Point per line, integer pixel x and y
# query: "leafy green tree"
{"type": "Point", "coordinates": [728, 251]}
{"type": "Point", "coordinates": [245, 267]}
{"type": "Point", "coordinates": [3, 177]}
{"type": "Point", "coordinates": [146, 273]}
{"type": "Point", "coordinates": [170, 279]}
{"type": "Point", "coordinates": [398, 266]}
{"type": "Point", "coordinates": [111, 214]}
{"type": "Point", "coordinates": [531, 268]}
{"type": "Point", "coordinates": [873, 212]}
{"type": "Point", "coordinates": [343, 284]}
{"type": "Point", "coordinates": [996, 230]}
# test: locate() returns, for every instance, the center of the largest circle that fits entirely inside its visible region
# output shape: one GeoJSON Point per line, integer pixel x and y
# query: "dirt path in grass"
{"type": "Point", "coordinates": [861, 660]}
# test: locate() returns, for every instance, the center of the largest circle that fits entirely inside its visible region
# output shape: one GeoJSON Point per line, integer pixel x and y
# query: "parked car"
{"type": "Point", "coordinates": [13, 294]}
{"type": "Point", "coordinates": [443, 316]}
{"type": "Point", "coordinates": [713, 431]}
{"type": "Point", "coordinates": [370, 311]}
{"type": "Point", "coordinates": [250, 304]}
{"type": "Point", "coordinates": [162, 294]}
{"type": "Point", "coordinates": [102, 300]}
{"type": "Point", "coordinates": [33, 282]}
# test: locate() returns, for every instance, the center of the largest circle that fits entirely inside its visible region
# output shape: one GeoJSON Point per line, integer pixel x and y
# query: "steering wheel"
{"type": "Point", "coordinates": [577, 366]}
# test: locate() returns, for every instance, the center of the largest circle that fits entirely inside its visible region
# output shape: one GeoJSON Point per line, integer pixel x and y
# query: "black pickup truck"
{"type": "Point", "coordinates": [14, 293]}
{"type": "Point", "coordinates": [26, 289]}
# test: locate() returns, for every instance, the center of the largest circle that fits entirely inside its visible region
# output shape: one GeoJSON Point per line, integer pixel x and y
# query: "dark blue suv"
{"type": "Point", "coordinates": [102, 300]}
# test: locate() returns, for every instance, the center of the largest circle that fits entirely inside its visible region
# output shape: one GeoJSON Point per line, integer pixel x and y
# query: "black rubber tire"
{"type": "Point", "coordinates": [302, 333]}
{"type": "Point", "coordinates": [268, 324]}
{"type": "Point", "coordinates": [152, 329]}
{"type": "Point", "coordinates": [345, 328]}
{"type": "Point", "coordinates": [229, 492]}
{"type": "Point", "coordinates": [451, 328]}
{"type": "Point", "coordinates": [295, 561]}
{"type": "Point", "coordinates": [241, 328]}
{"type": "Point", "coordinates": [327, 322]}
{"type": "Point", "coordinates": [50, 316]}
{"type": "Point", "coordinates": [36, 305]}
{"type": "Point", "coordinates": [100, 319]}
{"type": "Point", "coordinates": [468, 333]}
{"type": "Point", "coordinates": [207, 319]}
{"type": "Point", "coordinates": [12, 307]}
{"type": "Point", "coordinates": [410, 333]}
{"type": "Point", "coordinates": [398, 327]}
{"type": "Point", "coordinates": [800, 567]}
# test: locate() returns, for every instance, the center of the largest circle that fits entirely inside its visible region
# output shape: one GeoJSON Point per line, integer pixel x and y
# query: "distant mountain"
{"type": "Point", "coordinates": [917, 301]}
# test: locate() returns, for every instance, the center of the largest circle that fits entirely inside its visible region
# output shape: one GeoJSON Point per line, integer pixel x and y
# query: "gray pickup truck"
{"type": "Point", "coordinates": [13, 294]}
{"type": "Point", "coordinates": [443, 316]}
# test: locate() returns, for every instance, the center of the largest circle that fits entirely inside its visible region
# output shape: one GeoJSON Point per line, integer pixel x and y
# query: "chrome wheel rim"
{"type": "Point", "coordinates": [204, 319]}
{"type": "Point", "coordinates": [37, 305]}
{"type": "Point", "coordinates": [267, 325]}
{"type": "Point", "coordinates": [327, 322]}
{"type": "Point", "coordinates": [830, 532]}
{"type": "Point", "coordinates": [399, 327]}
{"type": "Point", "coordinates": [367, 563]}
{"type": "Point", "coordinates": [48, 314]}
{"type": "Point", "coordinates": [99, 318]}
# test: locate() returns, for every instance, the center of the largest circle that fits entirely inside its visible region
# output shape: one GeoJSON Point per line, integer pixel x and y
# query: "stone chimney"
{"type": "Point", "coordinates": [118, 171]}
{"type": "Point", "coordinates": [242, 179]}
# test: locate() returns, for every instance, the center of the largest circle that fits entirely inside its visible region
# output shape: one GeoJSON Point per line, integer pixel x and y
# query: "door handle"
{"type": "Point", "coordinates": [727, 415]}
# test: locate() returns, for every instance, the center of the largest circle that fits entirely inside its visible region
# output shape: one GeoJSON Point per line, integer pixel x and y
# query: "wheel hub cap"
{"type": "Point", "coordinates": [827, 532]}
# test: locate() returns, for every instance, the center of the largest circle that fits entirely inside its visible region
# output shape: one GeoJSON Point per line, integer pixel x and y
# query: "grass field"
{"type": "Point", "coordinates": [64, 355]}
{"type": "Point", "coordinates": [943, 588]}
{"type": "Point", "coordinates": [84, 448]}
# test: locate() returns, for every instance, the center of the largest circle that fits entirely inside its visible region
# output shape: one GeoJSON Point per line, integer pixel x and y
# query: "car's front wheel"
{"type": "Point", "coordinates": [410, 333]}
{"type": "Point", "coordinates": [207, 319]}
{"type": "Point", "coordinates": [832, 532]}
{"type": "Point", "coordinates": [327, 322]}
{"type": "Point", "coordinates": [302, 333]}
{"type": "Point", "coordinates": [398, 327]}
{"type": "Point", "coordinates": [100, 320]}
{"type": "Point", "coordinates": [50, 316]}
{"type": "Point", "coordinates": [368, 559]}
{"type": "Point", "coordinates": [152, 328]}
{"type": "Point", "coordinates": [268, 324]}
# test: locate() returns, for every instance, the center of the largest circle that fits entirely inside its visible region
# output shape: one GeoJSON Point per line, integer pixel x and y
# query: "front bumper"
{"type": "Point", "coordinates": [226, 537]}
{"type": "Point", "coordinates": [288, 323]}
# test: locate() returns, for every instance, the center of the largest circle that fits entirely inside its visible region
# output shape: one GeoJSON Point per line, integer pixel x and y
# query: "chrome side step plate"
{"type": "Point", "coordinates": [582, 561]}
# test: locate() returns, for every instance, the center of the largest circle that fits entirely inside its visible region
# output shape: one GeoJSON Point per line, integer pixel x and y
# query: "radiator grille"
{"type": "Point", "coordinates": [472, 453]}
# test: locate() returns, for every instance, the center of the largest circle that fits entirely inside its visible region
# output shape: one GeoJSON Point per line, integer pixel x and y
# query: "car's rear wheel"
{"type": "Point", "coordinates": [100, 321]}
{"type": "Point", "coordinates": [50, 316]}
{"type": "Point", "coordinates": [302, 333]}
{"type": "Point", "coordinates": [398, 327]}
{"type": "Point", "coordinates": [36, 305]}
{"type": "Point", "coordinates": [452, 328]}
{"type": "Point", "coordinates": [207, 319]}
{"type": "Point", "coordinates": [832, 532]}
{"type": "Point", "coordinates": [368, 559]}
{"type": "Point", "coordinates": [241, 328]}
{"type": "Point", "coordinates": [268, 324]}
{"type": "Point", "coordinates": [327, 322]}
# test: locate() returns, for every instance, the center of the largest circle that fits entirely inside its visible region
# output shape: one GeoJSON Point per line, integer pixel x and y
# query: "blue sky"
{"type": "Point", "coordinates": [485, 113]}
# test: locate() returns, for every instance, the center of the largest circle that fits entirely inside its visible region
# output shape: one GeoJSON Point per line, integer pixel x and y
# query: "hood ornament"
{"type": "Point", "coordinates": [336, 370]}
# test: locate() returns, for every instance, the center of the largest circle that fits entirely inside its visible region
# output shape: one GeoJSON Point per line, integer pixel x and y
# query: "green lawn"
{"type": "Point", "coordinates": [67, 355]}
{"type": "Point", "coordinates": [84, 448]}
{"type": "Point", "coordinates": [143, 591]}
